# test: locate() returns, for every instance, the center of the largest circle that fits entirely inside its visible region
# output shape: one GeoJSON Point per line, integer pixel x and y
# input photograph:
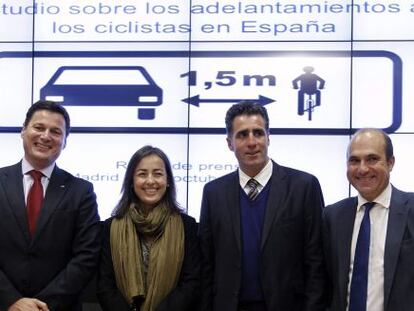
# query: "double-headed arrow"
{"type": "Point", "coordinates": [196, 100]}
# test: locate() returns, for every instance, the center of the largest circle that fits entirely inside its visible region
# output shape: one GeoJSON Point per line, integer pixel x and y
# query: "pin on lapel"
{"type": "Point", "coordinates": [62, 186]}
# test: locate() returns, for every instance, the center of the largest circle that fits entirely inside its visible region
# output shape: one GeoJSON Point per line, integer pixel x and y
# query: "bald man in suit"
{"type": "Point", "coordinates": [388, 282]}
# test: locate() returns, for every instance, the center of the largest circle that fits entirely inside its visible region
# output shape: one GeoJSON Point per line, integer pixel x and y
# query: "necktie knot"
{"type": "Point", "coordinates": [369, 206]}
{"type": "Point", "coordinates": [36, 175]}
{"type": "Point", "coordinates": [253, 185]}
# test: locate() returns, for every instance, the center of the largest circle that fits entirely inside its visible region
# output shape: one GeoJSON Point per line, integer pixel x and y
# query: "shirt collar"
{"type": "Point", "coordinates": [27, 167]}
{"type": "Point", "coordinates": [263, 176]}
{"type": "Point", "coordinates": [384, 199]}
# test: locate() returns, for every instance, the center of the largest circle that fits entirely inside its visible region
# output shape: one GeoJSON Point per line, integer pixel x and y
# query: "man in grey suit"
{"type": "Point", "coordinates": [381, 278]}
{"type": "Point", "coordinates": [260, 239]}
{"type": "Point", "coordinates": [48, 253]}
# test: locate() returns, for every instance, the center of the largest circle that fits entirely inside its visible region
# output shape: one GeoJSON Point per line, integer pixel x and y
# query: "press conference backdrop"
{"type": "Point", "coordinates": [164, 73]}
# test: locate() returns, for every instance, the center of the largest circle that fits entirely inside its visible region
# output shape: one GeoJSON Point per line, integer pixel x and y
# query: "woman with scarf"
{"type": "Point", "coordinates": [150, 255]}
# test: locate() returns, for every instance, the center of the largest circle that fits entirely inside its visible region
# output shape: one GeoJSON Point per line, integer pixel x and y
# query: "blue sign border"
{"type": "Point", "coordinates": [396, 86]}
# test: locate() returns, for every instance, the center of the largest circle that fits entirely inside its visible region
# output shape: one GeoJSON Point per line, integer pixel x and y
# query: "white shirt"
{"type": "Point", "coordinates": [28, 180]}
{"type": "Point", "coordinates": [379, 221]}
{"type": "Point", "coordinates": [262, 178]}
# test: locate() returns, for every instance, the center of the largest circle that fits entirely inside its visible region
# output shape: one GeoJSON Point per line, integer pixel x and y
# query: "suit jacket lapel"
{"type": "Point", "coordinates": [277, 188]}
{"type": "Point", "coordinates": [345, 224]}
{"type": "Point", "coordinates": [233, 204]}
{"type": "Point", "coordinates": [397, 219]}
{"type": "Point", "coordinates": [54, 193]}
{"type": "Point", "coordinates": [12, 182]}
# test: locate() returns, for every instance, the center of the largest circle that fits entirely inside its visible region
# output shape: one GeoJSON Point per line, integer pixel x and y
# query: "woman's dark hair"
{"type": "Point", "coordinates": [128, 195]}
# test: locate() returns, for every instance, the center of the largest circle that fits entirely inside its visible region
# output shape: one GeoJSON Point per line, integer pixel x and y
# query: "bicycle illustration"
{"type": "Point", "coordinates": [309, 94]}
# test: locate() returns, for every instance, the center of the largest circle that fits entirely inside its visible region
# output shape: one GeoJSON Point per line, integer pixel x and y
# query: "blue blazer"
{"type": "Point", "coordinates": [291, 263]}
{"type": "Point", "coordinates": [338, 223]}
{"type": "Point", "coordinates": [57, 263]}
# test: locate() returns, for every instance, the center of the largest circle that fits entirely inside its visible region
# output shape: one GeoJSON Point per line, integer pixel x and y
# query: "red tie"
{"type": "Point", "coordinates": [34, 200]}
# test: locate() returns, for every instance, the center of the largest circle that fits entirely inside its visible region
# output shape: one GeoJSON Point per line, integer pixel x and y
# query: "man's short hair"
{"type": "Point", "coordinates": [245, 108]}
{"type": "Point", "coordinates": [50, 106]}
{"type": "Point", "coordinates": [388, 147]}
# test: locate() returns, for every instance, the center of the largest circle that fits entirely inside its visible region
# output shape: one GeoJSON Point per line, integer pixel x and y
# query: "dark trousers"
{"type": "Point", "coordinates": [251, 306]}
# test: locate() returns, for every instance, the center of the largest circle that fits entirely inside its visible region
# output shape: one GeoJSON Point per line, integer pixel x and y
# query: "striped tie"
{"type": "Point", "coordinates": [253, 185]}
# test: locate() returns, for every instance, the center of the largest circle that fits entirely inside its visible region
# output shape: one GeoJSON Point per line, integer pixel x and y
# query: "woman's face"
{"type": "Point", "coordinates": [150, 180]}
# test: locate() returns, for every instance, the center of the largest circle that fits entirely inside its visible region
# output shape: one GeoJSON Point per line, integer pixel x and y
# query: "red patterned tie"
{"type": "Point", "coordinates": [34, 200]}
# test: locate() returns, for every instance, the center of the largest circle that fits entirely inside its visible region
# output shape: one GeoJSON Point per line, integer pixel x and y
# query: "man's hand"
{"type": "Point", "coordinates": [28, 304]}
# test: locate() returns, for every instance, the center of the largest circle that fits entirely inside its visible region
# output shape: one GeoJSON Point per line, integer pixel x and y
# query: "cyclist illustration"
{"type": "Point", "coordinates": [309, 86]}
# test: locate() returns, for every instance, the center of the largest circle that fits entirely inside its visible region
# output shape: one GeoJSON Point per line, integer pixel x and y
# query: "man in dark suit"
{"type": "Point", "coordinates": [260, 240]}
{"type": "Point", "coordinates": [46, 259]}
{"type": "Point", "coordinates": [380, 278]}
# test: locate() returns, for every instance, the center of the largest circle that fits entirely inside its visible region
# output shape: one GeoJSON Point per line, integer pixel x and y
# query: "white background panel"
{"type": "Point", "coordinates": [15, 83]}
{"type": "Point", "coordinates": [11, 148]}
{"type": "Point", "coordinates": [405, 51]}
{"type": "Point", "coordinates": [372, 89]}
{"type": "Point", "coordinates": [383, 20]}
{"type": "Point", "coordinates": [403, 172]}
{"type": "Point", "coordinates": [207, 151]}
{"type": "Point", "coordinates": [322, 156]}
{"type": "Point", "coordinates": [14, 13]}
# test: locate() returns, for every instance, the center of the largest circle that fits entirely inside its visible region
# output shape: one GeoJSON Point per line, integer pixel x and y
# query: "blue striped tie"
{"type": "Point", "coordinates": [253, 185]}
